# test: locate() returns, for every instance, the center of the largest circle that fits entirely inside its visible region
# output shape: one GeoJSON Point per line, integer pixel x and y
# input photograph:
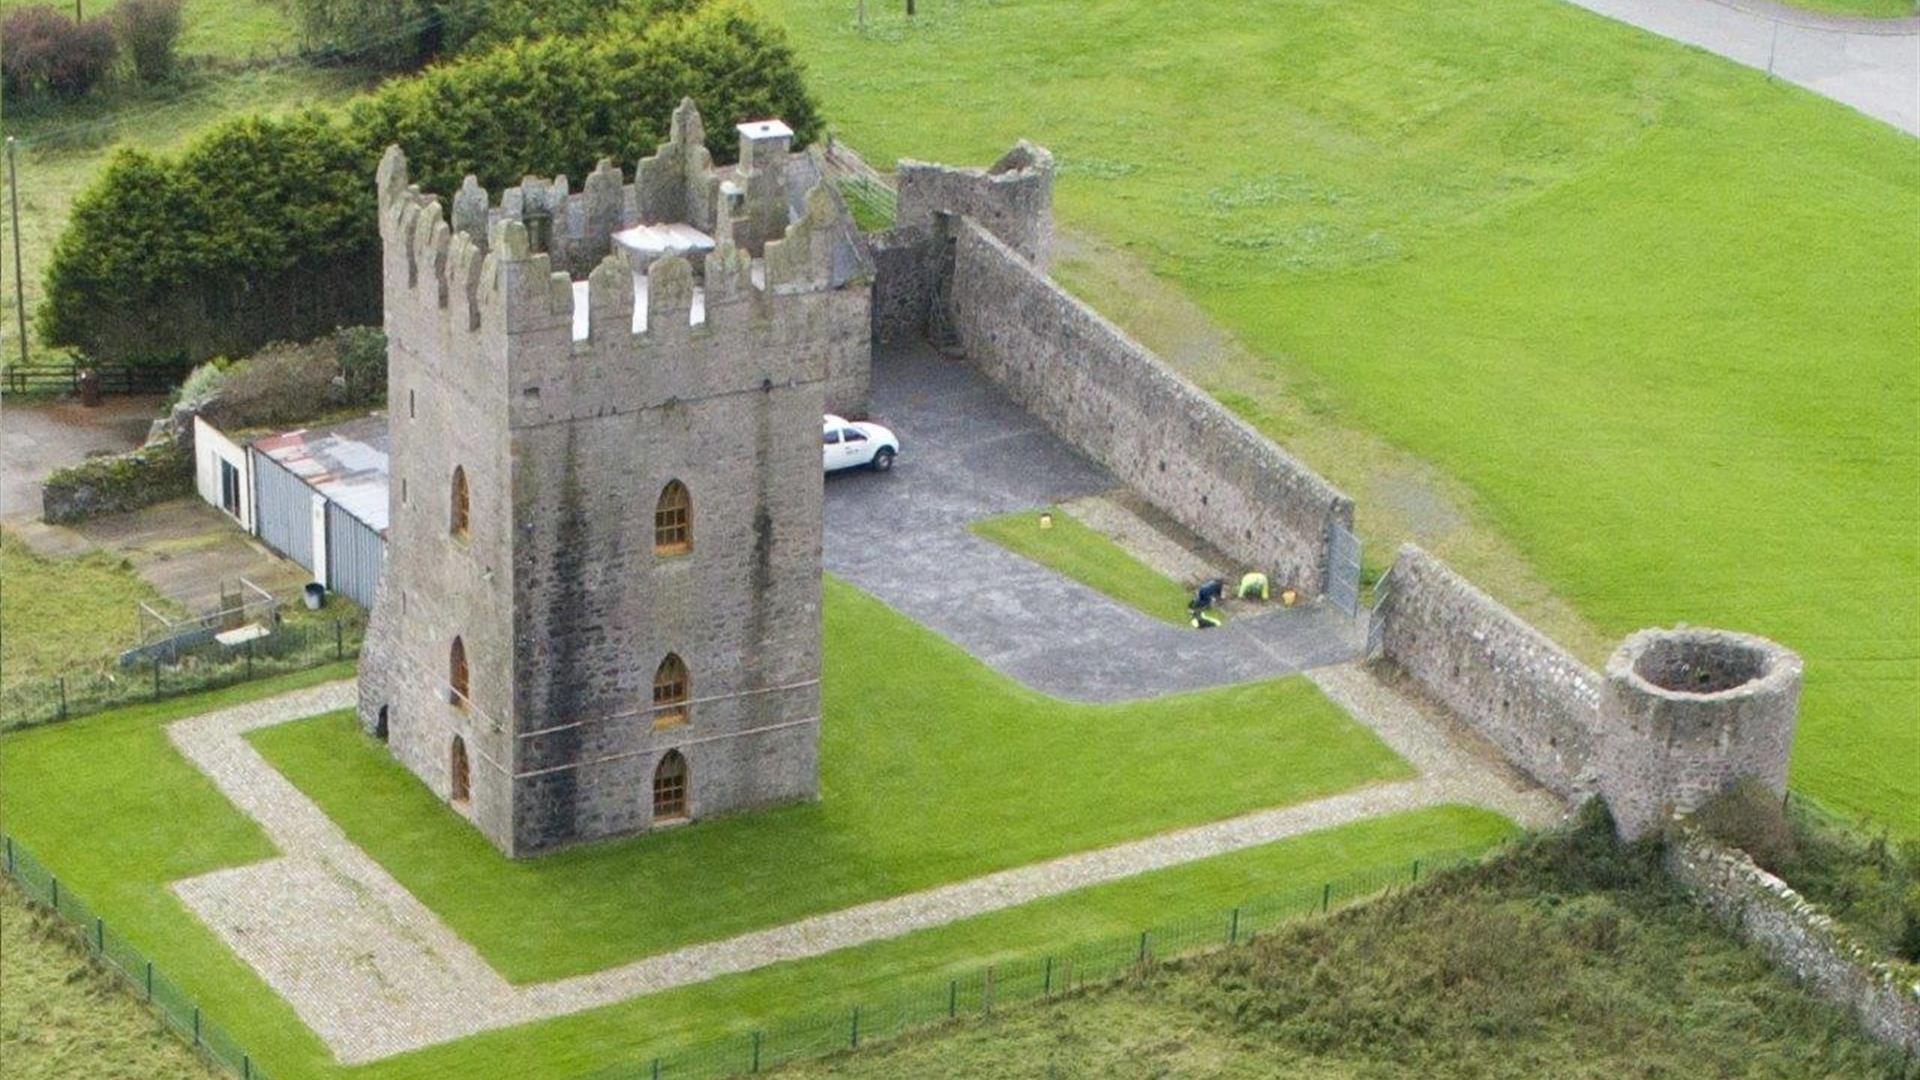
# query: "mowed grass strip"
{"type": "Point", "coordinates": [1088, 557]}
{"type": "Point", "coordinates": [933, 769]}
{"type": "Point", "coordinates": [1658, 312]}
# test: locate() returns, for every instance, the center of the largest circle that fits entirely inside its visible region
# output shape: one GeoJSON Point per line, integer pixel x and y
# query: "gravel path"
{"type": "Point", "coordinates": [1872, 65]}
{"type": "Point", "coordinates": [375, 973]}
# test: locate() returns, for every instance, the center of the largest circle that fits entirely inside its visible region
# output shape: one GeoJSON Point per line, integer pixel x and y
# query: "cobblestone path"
{"type": "Point", "coordinates": [375, 973]}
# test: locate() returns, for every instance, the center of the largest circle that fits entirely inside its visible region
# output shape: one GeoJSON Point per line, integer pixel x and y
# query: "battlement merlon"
{"type": "Point", "coordinates": [501, 274]}
{"type": "Point", "coordinates": [1012, 198]}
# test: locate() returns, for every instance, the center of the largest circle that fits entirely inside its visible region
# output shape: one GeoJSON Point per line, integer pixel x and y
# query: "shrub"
{"type": "Point", "coordinates": [362, 355]}
{"type": "Point", "coordinates": [201, 385]}
{"type": "Point", "coordinates": [558, 105]}
{"type": "Point", "coordinates": [281, 384]}
{"type": "Point", "coordinates": [149, 30]}
{"type": "Point", "coordinates": [1750, 817]}
{"type": "Point", "coordinates": [265, 229]}
{"type": "Point", "coordinates": [46, 51]}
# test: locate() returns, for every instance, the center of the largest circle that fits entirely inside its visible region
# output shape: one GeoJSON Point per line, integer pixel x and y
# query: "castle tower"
{"type": "Point", "coordinates": [601, 605]}
{"type": "Point", "coordinates": [1686, 714]}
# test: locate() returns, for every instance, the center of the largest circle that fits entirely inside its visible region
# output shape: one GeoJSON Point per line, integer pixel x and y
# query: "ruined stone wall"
{"type": "Point", "coordinates": [1012, 198]}
{"type": "Point", "coordinates": [902, 282]}
{"type": "Point", "coordinates": [1507, 681]}
{"type": "Point", "coordinates": [1119, 404]}
{"type": "Point", "coordinates": [1687, 713]}
{"type": "Point", "coordinates": [1798, 937]}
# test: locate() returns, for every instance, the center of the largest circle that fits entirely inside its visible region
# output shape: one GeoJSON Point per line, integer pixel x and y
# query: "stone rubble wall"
{"type": "Point", "coordinates": [1107, 396]}
{"type": "Point", "coordinates": [1766, 912]}
{"type": "Point", "coordinates": [1507, 681]}
{"type": "Point", "coordinates": [1012, 198]}
{"type": "Point", "coordinates": [903, 268]}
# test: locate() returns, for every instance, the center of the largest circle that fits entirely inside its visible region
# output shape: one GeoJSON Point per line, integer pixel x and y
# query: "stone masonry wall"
{"type": "Point", "coordinates": [902, 282]}
{"type": "Point", "coordinates": [1118, 403]}
{"type": "Point", "coordinates": [1795, 935]}
{"type": "Point", "coordinates": [1525, 694]}
{"type": "Point", "coordinates": [1012, 198]}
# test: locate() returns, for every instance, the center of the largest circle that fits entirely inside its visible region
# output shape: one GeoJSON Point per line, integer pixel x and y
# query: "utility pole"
{"type": "Point", "coordinates": [19, 289]}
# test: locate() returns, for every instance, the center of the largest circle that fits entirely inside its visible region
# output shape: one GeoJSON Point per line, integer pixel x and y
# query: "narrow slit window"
{"type": "Point", "coordinates": [457, 674]}
{"type": "Point", "coordinates": [458, 514]}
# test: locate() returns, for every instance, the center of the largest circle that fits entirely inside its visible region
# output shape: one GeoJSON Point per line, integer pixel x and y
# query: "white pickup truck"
{"type": "Point", "coordinates": [850, 444]}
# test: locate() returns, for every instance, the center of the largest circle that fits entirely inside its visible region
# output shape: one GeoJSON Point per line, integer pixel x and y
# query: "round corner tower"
{"type": "Point", "coordinates": [1687, 713]}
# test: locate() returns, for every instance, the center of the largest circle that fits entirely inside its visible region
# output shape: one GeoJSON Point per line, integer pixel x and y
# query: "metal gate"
{"type": "Point", "coordinates": [1343, 569]}
{"type": "Point", "coordinates": [1377, 619]}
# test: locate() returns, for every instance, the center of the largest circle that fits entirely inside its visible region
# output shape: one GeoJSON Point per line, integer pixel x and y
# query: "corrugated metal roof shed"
{"type": "Point", "coordinates": [345, 462]}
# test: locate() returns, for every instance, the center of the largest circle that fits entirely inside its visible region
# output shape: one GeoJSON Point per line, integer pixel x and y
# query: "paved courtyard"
{"type": "Point", "coordinates": [968, 452]}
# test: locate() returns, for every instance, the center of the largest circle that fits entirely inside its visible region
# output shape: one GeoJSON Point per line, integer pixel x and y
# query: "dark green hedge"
{"type": "Point", "coordinates": [264, 229]}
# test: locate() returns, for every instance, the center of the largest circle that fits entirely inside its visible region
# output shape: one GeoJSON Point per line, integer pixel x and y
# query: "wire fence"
{"type": "Point", "coordinates": [175, 1008]}
{"type": "Point", "coordinates": [984, 989]}
{"type": "Point", "coordinates": [165, 673]}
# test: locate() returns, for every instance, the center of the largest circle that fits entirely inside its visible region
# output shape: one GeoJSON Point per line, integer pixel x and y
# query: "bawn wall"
{"type": "Point", "coordinates": [1115, 401]}
{"type": "Point", "coordinates": [1795, 935]}
{"type": "Point", "coordinates": [1509, 682]}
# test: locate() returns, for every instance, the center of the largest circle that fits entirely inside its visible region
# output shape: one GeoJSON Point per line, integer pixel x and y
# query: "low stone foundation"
{"type": "Point", "coordinates": [1766, 912]}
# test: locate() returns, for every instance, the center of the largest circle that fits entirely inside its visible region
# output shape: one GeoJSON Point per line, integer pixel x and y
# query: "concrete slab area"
{"type": "Point", "coordinates": [188, 551]}
{"type": "Point", "coordinates": [1872, 65]}
{"type": "Point", "coordinates": [968, 452]}
{"type": "Point", "coordinates": [37, 438]}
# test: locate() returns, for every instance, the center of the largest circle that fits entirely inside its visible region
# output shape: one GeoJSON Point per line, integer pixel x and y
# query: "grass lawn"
{"type": "Point", "coordinates": [151, 819]}
{"type": "Point", "coordinates": [933, 769]}
{"type": "Point", "coordinates": [56, 613]}
{"type": "Point", "coordinates": [1090, 558]}
{"type": "Point", "coordinates": [1656, 313]}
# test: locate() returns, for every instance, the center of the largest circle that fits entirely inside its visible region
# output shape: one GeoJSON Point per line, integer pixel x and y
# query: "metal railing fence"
{"type": "Point", "coordinates": [986, 988]}
{"type": "Point", "coordinates": [173, 1005]}
{"type": "Point", "coordinates": [207, 666]}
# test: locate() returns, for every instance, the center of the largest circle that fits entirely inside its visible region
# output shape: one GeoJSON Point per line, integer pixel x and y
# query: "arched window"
{"type": "Point", "coordinates": [670, 787]}
{"type": "Point", "coordinates": [672, 689]}
{"type": "Point", "coordinates": [460, 779]}
{"type": "Point", "coordinates": [457, 674]}
{"type": "Point", "coordinates": [457, 515]}
{"type": "Point", "coordinates": [673, 520]}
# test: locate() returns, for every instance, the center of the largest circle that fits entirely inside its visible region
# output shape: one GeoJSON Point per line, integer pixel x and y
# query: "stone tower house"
{"type": "Point", "coordinates": [601, 606]}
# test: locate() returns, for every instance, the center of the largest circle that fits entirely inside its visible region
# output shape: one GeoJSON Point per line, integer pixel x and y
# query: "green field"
{"type": "Point", "coordinates": [1089, 558]}
{"type": "Point", "coordinates": [933, 769]}
{"type": "Point", "coordinates": [151, 819]}
{"type": "Point", "coordinates": [1656, 314]}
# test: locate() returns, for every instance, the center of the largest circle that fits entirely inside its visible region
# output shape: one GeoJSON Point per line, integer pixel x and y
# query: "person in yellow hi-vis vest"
{"type": "Point", "coordinates": [1253, 586]}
